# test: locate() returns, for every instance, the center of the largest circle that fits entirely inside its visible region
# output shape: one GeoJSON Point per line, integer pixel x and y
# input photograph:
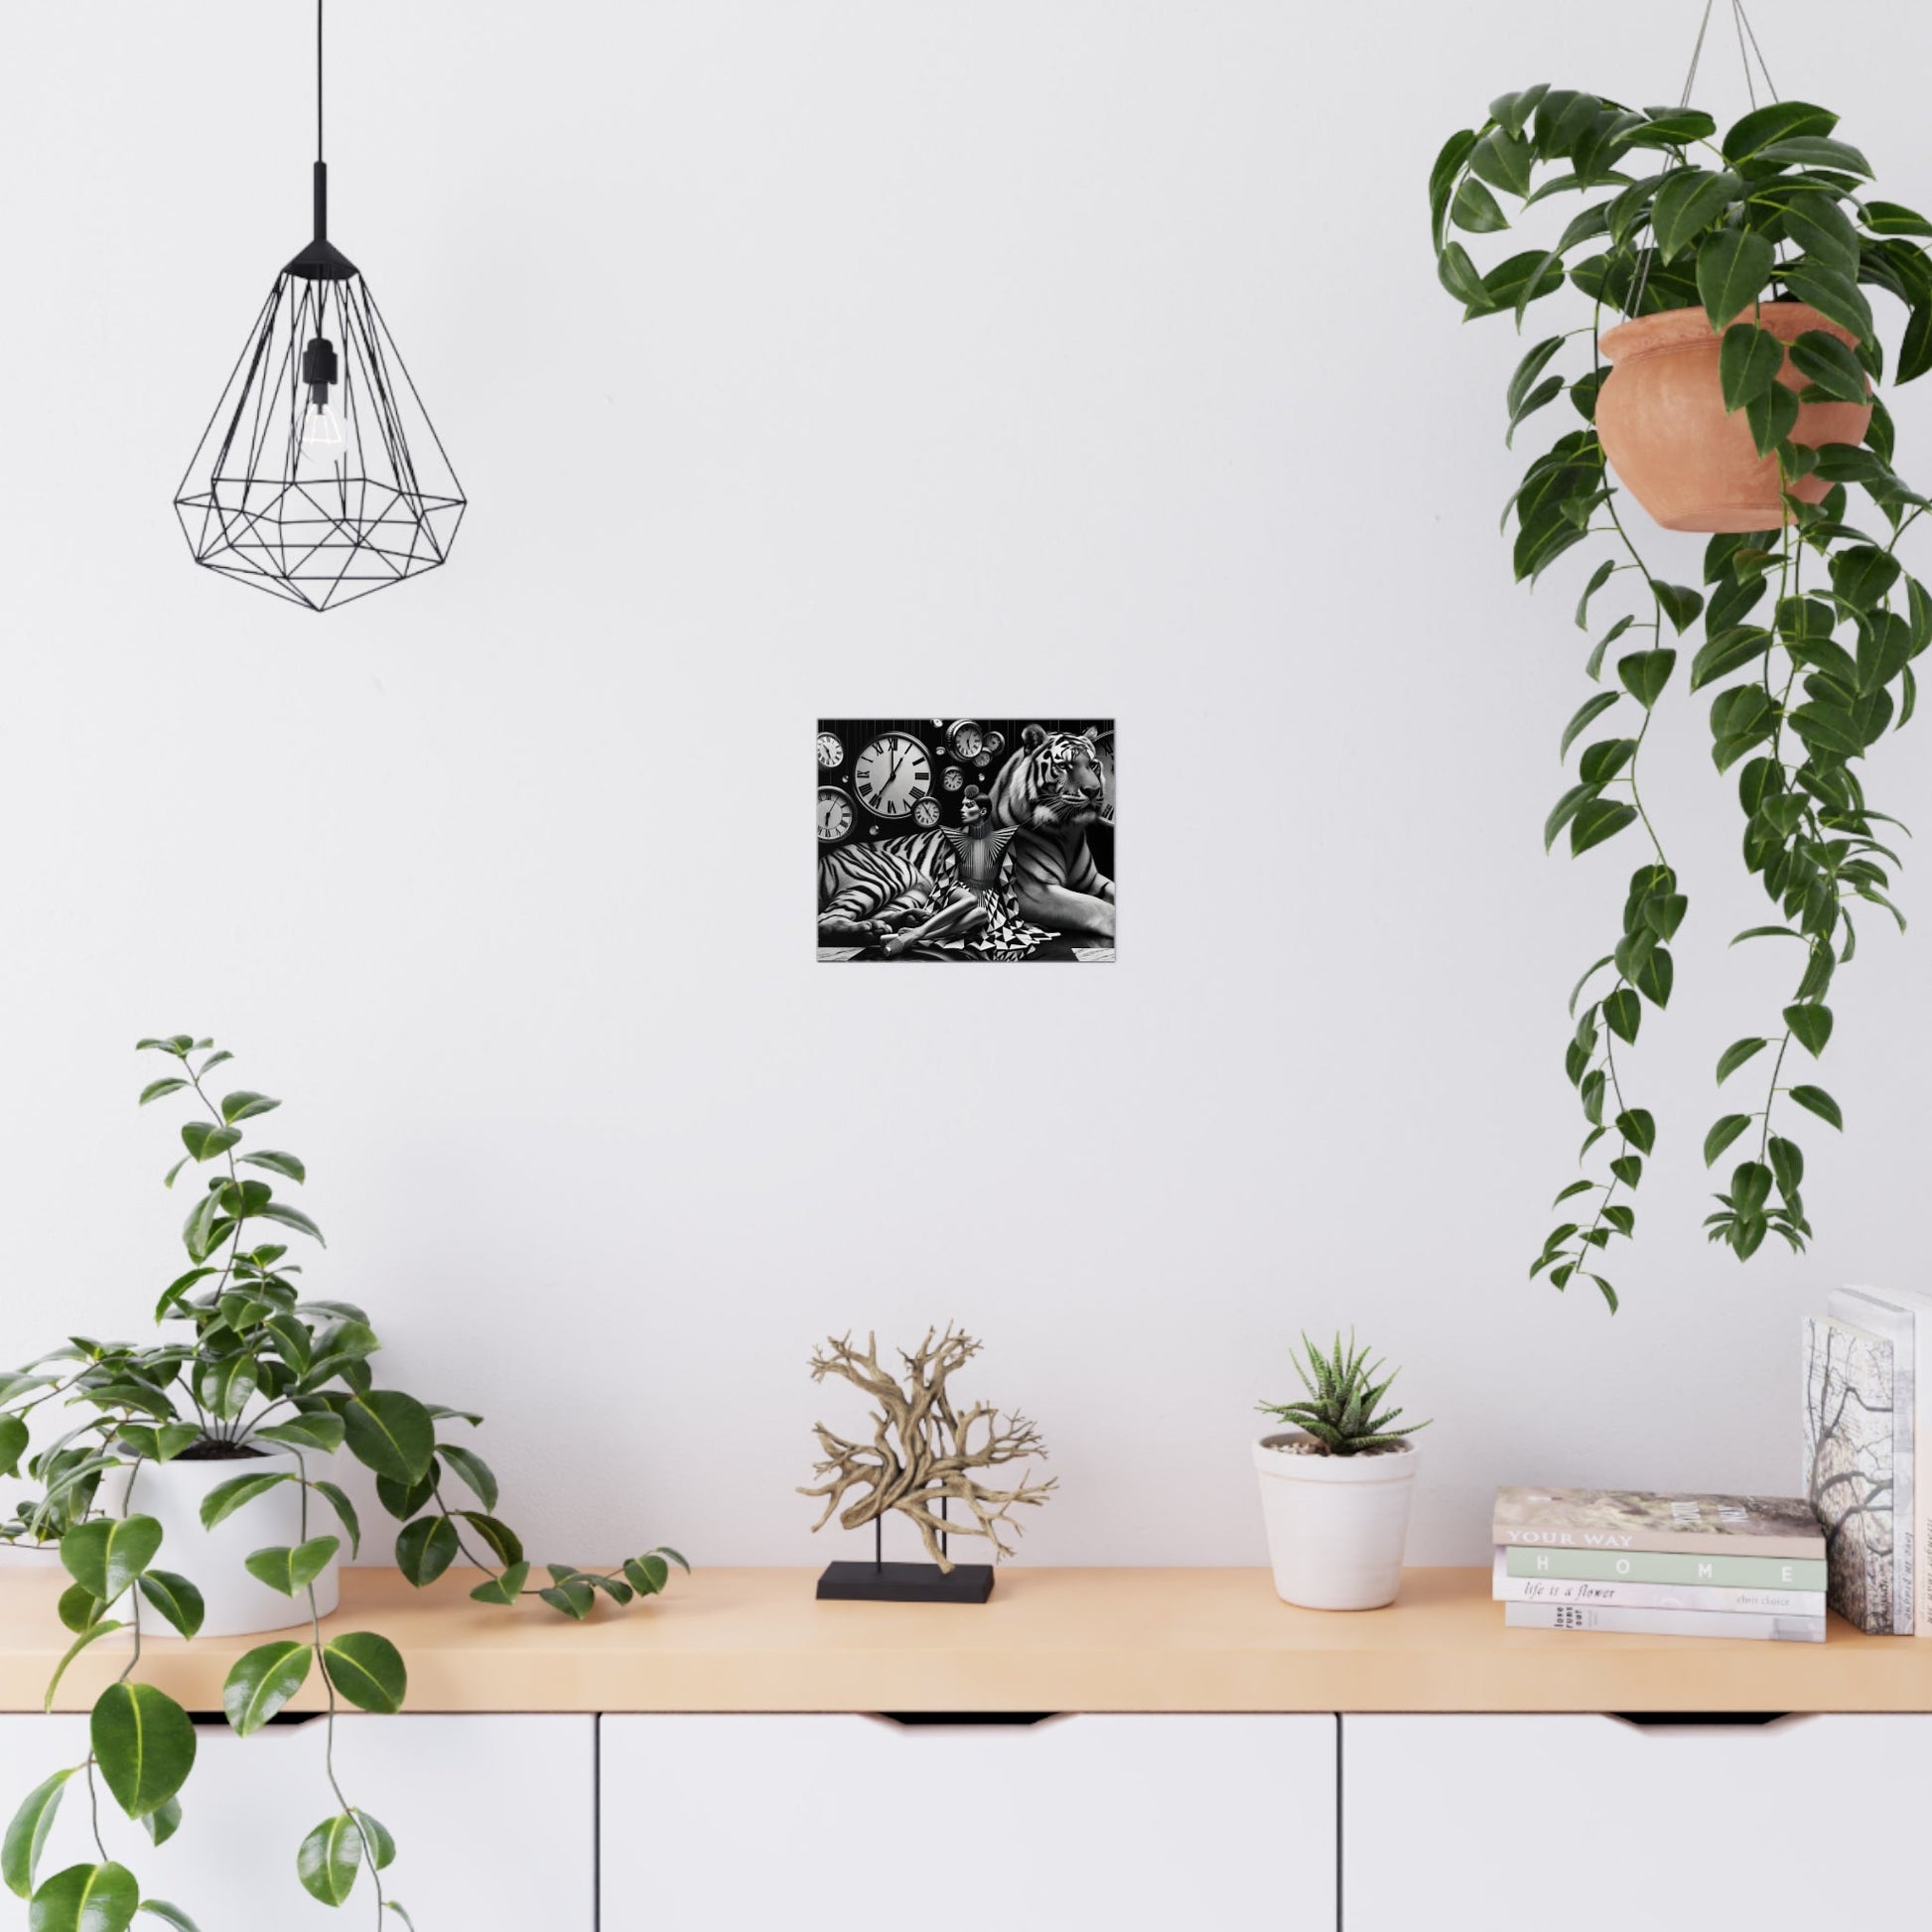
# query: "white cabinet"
{"type": "Point", "coordinates": [495, 1818]}
{"type": "Point", "coordinates": [1463, 1823]}
{"type": "Point", "coordinates": [1140, 1824]}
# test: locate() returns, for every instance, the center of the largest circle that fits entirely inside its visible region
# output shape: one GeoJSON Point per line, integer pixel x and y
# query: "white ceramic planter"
{"type": "Point", "coordinates": [215, 1561]}
{"type": "Point", "coordinates": [1336, 1524]}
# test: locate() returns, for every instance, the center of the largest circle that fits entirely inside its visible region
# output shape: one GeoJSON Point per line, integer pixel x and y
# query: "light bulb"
{"type": "Point", "coordinates": [322, 432]}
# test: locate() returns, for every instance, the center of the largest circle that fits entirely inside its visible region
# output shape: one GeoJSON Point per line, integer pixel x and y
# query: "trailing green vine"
{"type": "Point", "coordinates": [1806, 679]}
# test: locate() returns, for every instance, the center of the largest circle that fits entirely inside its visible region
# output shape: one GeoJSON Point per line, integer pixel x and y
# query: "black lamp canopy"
{"type": "Point", "coordinates": [320, 477]}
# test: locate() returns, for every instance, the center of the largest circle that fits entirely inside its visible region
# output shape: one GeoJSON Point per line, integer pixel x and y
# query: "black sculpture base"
{"type": "Point", "coordinates": [906, 1583]}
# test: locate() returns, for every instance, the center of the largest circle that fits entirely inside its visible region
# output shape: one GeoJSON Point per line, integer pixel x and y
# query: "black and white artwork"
{"type": "Point", "coordinates": [975, 840]}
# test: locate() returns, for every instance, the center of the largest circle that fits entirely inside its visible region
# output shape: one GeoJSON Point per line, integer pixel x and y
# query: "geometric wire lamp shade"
{"type": "Point", "coordinates": [320, 477]}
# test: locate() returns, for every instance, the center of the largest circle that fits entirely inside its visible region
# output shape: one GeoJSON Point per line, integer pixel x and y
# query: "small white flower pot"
{"type": "Point", "coordinates": [1336, 1524]}
{"type": "Point", "coordinates": [215, 1561]}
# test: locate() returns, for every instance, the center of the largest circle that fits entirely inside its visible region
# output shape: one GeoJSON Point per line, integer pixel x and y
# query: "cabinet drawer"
{"type": "Point", "coordinates": [495, 1818]}
{"type": "Point", "coordinates": [816, 1823]}
{"type": "Point", "coordinates": [1463, 1822]}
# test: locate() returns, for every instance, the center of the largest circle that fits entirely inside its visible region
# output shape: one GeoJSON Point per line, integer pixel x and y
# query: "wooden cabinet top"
{"type": "Point", "coordinates": [1049, 1640]}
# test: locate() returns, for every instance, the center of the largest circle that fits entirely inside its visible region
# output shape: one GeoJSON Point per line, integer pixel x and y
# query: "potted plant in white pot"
{"type": "Point", "coordinates": [184, 1483]}
{"type": "Point", "coordinates": [1335, 1485]}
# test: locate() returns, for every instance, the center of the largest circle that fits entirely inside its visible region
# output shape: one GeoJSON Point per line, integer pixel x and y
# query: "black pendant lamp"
{"type": "Point", "coordinates": [320, 477]}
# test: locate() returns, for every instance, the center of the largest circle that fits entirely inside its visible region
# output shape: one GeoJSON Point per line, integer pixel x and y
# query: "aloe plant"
{"type": "Point", "coordinates": [1343, 1407]}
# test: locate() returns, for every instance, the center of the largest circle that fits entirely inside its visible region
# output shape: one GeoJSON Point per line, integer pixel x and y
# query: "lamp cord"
{"type": "Point", "coordinates": [318, 80]}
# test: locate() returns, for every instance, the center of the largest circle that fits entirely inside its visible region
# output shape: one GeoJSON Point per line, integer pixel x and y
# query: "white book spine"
{"type": "Point", "coordinates": [1664, 1623]}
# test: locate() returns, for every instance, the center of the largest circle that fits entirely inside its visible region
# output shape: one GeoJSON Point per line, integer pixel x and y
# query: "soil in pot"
{"type": "Point", "coordinates": [218, 1452]}
{"type": "Point", "coordinates": [1670, 440]}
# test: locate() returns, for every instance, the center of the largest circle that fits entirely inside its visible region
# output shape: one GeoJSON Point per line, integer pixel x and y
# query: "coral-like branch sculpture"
{"type": "Point", "coordinates": [922, 1450]}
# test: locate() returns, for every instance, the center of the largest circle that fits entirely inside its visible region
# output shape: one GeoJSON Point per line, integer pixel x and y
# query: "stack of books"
{"type": "Point", "coordinates": [1634, 1560]}
{"type": "Point", "coordinates": [1867, 1370]}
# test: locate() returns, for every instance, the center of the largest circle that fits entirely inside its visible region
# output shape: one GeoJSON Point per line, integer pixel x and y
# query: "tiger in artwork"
{"type": "Point", "coordinates": [1053, 786]}
{"type": "Point", "coordinates": [866, 891]}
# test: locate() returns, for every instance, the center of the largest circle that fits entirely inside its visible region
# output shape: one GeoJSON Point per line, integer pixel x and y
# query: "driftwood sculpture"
{"type": "Point", "coordinates": [924, 1452]}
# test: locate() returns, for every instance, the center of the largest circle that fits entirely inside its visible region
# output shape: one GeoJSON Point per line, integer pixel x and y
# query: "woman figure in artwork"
{"type": "Point", "coordinates": [979, 905]}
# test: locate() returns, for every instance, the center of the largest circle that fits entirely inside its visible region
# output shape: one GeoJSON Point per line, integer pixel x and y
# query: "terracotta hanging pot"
{"type": "Point", "coordinates": [1662, 418]}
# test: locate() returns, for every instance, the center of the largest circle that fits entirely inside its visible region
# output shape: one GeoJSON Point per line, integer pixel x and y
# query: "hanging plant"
{"type": "Point", "coordinates": [1734, 398]}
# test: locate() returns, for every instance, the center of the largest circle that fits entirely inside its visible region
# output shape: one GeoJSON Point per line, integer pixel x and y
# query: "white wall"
{"type": "Point", "coordinates": [802, 360]}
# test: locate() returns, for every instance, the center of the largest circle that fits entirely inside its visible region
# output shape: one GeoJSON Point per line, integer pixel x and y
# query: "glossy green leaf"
{"type": "Point", "coordinates": [1811, 1027]}
{"type": "Point", "coordinates": [1580, 723]}
{"type": "Point", "coordinates": [1748, 362]}
{"type": "Point", "coordinates": [290, 1569]}
{"type": "Point", "coordinates": [226, 1498]}
{"type": "Point", "coordinates": [502, 1541]}
{"type": "Point", "coordinates": [143, 1743]}
{"type": "Point", "coordinates": [1817, 1101]}
{"type": "Point", "coordinates": [106, 1555]}
{"type": "Point", "coordinates": [1597, 820]}
{"type": "Point", "coordinates": [1733, 267]}
{"type": "Point", "coordinates": [20, 1855]}
{"type": "Point", "coordinates": [1679, 602]}
{"type": "Point", "coordinates": [1772, 417]}
{"type": "Point", "coordinates": [648, 1575]}
{"type": "Point", "coordinates": [1691, 200]}
{"type": "Point", "coordinates": [329, 1858]}
{"type": "Point", "coordinates": [245, 1105]}
{"type": "Point", "coordinates": [85, 1898]}
{"type": "Point", "coordinates": [1722, 1133]}
{"type": "Point", "coordinates": [1778, 121]}
{"type": "Point", "coordinates": [156, 1088]}
{"type": "Point", "coordinates": [262, 1681]}
{"type": "Point", "coordinates": [391, 1433]}
{"type": "Point", "coordinates": [1814, 151]}
{"type": "Point", "coordinates": [1475, 211]}
{"type": "Point", "coordinates": [224, 1386]}
{"type": "Point", "coordinates": [286, 1165]}
{"type": "Point", "coordinates": [289, 1217]}
{"type": "Point", "coordinates": [425, 1549]}
{"type": "Point", "coordinates": [504, 1589]}
{"type": "Point", "coordinates": [1836, 297]}
{"type": "Point", "coordinates": [474, 1471]}
{"type": "Point", "coordinates": [380, 1847]}
{"type": "Point", "coordinates": [573, 1599]}
{"type": "Point", "coordinates": [1624, 1013]}
{"type": "Point", "coordinates": [163, 1821]}
{"type": "Point", "coordinates": [13, 1444]}
{"type": "Point", "coordinates": [1729, 651]}
{"type": "Point", "coordinates": [1829, 366]}
{"type": "Point", "coordinates": [1442, 177]}
{"type": "Point", "coordinates": [1644, 674]}
{"type": "Point", "coordinates": [203, 1139]}
{"type": "Point", "coordinates": [318, 1431]}
{"type": "Point", "coordinates": [1599, 763]}
{"type": "Point", "coordinates": [1734, 1056]}
{"type": "Point", "coordinates": [176, 1598]}
{"type": "Point", "coordinates": [367, 1670]}
{"type": "Point", "coordinates": [1638, 1127]}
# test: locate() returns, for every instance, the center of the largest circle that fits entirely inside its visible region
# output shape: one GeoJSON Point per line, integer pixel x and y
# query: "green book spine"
{"type": "Point", "coordinates": [1657, 1567]}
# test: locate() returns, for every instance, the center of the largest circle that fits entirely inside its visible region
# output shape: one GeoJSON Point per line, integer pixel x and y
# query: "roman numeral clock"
{"type": "Point", "coordinates": [890, 777]}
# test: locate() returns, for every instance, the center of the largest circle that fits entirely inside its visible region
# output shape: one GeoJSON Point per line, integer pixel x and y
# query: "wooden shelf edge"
{"type": "Point", "coordinates": [1092, 1640]}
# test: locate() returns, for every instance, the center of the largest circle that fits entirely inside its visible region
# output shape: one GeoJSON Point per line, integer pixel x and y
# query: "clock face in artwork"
{"type": "Point", "coordinates": [982, 760]}
{"type": "Point", "coordinates": [892, 775]}
{"type": "Point", "coordinates": [952, 778]}
{"type": "Point", "coordinates": [967, 739]}
{"type": "Point", "coordinates": [834, 814]}
{"type": "Point", "coordinates": [925, 814]}
{"type": "Point", "coordinates": [830, 753]}
{"type": "Point", "coordinates": [995, 743]}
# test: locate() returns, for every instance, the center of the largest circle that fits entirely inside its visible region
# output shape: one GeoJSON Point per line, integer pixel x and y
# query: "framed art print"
{"type": "Point", "coordinates": [972, 840]}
